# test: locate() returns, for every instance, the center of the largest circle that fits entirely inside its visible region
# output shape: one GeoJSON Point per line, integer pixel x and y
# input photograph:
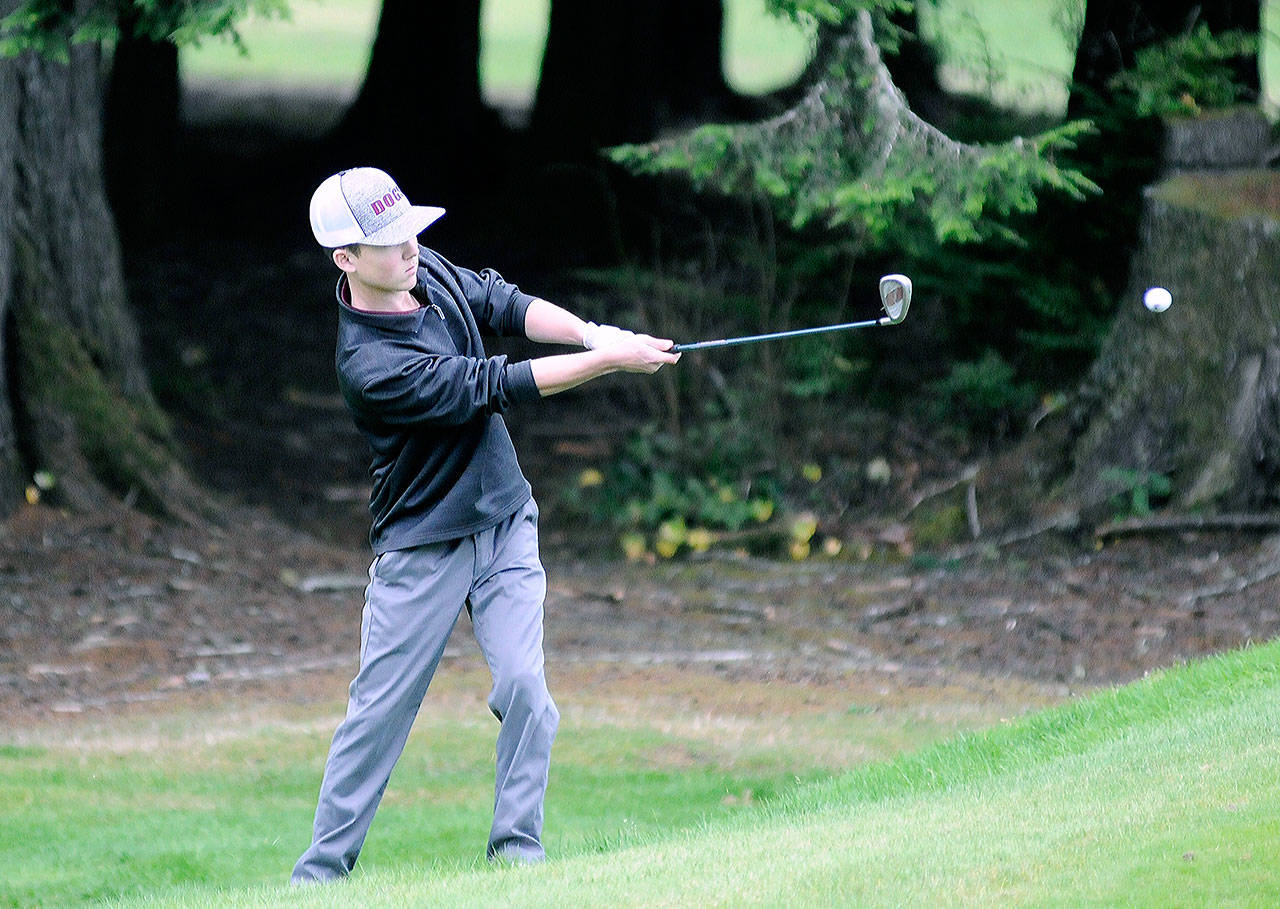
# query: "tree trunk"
{"type": "Point", "coordinates": [914, 68]}
{"type": "Point", "coordinates": [12, 469]}
{"type": "Point", "coordinates": [140, 145]}
{"type": "Point", "coordinates": [75, 398]}
{"type": "Point", "coordinates": [1192, 394]}
{"type": "Point", "coordinates": [1115, 30]}
{"type": "Point", "coordinates": [1123, 157]}
{"type": "Point", "coordinates": [621, 72]}
{"type": "Point", "coordinates": [419, 113]}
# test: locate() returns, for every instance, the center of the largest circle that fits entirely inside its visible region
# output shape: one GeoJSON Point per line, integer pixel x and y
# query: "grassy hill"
{"type": "Point", "coordinates": [1160, 793]}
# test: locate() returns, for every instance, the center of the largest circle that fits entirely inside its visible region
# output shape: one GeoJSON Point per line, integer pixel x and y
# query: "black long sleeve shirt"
{"type": "Point", "coordinates": [430, 404]}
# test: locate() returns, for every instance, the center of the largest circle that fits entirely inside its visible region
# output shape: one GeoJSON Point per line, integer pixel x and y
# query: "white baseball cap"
{"type": "Point", "coordinates": [364, 205]}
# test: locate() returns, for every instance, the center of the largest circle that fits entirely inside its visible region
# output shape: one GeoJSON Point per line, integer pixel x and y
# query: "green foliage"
{"type": "Point", "coordinates": [1187, 73]}
{"type": "Point", "coordinates": [939, 526]}
{"type": "Point", "coordinates": [52, 27]}
{"type": "Point", "coordinates": [983, 395]}
{"type": "Point", "coordinates": [1138, 491]}
{"type": "Point", "coordinates": [835, 13]}
{"type": "Point", "coordinates": [851, 159]}
{"type": "Point", "coordinates": [715, 469]}
{"type": "Point", "coordinates": [671, 490]}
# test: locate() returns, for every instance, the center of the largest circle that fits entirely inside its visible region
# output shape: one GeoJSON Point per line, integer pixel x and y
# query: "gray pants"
{"type": "Point", "coordinates": [414, 598]}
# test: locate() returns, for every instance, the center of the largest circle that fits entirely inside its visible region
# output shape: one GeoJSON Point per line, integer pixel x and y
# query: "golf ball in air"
{"type": "Point", "coordinates": [1157, 299]}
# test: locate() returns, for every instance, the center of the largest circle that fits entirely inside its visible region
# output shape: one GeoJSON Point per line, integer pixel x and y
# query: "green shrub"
{"type": "Point", "coordinates": [1187, 73]}
{"type": "Point", "coordinates": [983, 396]}
{"type": "Point", "coordinates": [671, 491]}
{"type": "Point", "coordinates": [1138, 492]}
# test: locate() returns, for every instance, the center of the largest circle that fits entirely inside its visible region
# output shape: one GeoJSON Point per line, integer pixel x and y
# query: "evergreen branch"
{"type": "Point", "coordinates": [852, 155]}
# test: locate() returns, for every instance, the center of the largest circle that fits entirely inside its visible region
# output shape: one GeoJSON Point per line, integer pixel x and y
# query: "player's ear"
{"type": "Point", "coordinates": [344, 258]}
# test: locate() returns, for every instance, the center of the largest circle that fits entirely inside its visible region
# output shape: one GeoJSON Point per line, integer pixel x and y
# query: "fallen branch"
{"type": "Point", "coordinates": [888, 613]}
{"type": "Point", "coordinates": [1063, 521]}
{"type": "Point", "coordinates": [968, 475]}
{"type": "Point", "coordinates": [1235, 585]}
{"type": "Point", "coordinates": [971, 511]}
{"type": "Point", "coordinates": [1257, 522]}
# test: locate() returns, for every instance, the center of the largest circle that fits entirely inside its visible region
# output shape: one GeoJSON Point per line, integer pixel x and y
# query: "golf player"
{"type": "Point", "coordinates": [454, 520]}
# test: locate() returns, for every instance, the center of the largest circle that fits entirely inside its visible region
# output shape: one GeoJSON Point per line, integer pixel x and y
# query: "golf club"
{"type": "Point", "coordinates": [895, 298]}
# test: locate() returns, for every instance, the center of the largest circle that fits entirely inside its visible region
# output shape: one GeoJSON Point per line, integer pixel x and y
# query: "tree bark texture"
{"type": "Point", "coordinates": [914, 68]}
{"type": "Point", "coordinates": [419, 113]}
{"type": "Point", "coordinates": [75, 400]}
{"type": "Point", "coordinates": [11, 466]}
{"type": "Point", "coordinates": [141, 138]}
{"type": "Point", "coordinates": [623, 71]}
{"type": "Point", "coordinates": [1192, 393]}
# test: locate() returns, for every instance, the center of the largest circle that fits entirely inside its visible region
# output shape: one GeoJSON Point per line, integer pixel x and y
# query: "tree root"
{"type": "Point", "coordinates": [1254, 523]}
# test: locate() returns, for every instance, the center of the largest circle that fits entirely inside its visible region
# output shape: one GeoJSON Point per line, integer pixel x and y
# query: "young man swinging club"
{"type": "Point", "coordinates": [454, 521]}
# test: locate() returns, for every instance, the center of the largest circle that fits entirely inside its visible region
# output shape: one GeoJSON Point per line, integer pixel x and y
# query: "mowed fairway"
{"type": "Point", "coordinates": [682, 788]}
{"type": "Point", "coordinates": [216, 791]}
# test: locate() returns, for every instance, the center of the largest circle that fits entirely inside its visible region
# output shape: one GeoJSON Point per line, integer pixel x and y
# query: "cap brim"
{"type": "Point", "coordinates": [413, 222]}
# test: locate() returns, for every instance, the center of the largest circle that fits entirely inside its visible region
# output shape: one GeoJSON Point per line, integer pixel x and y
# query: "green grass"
{"type": "Point", "coordinates": [1018, 52]}
{"type": "Point", "coordinates": [1160, 793]}
{"type": "Point", "coordinates": [1157, 794]}
{"type": "Point", "coordinates": [198, 803]}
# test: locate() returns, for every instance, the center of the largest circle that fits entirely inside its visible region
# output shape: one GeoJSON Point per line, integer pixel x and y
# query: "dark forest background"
{"type": "Point", "coordinates": [166, 329]}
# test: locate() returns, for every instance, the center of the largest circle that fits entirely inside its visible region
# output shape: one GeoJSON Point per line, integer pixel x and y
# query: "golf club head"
{"type": "Point", "coordinates": [895, 297]}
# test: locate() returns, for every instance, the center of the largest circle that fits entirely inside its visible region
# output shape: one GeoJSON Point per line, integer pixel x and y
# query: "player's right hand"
{"type": "Point", "coordinates": [643, 353]}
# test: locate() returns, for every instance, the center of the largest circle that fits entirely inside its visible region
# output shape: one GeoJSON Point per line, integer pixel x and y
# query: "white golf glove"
{"type": "Point", "coordinates": [596, 336]}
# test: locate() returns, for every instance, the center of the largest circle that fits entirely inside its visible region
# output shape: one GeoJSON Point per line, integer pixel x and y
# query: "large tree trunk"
{"type": "Point", "coordinates": [74, 396]}
{"type": "Point", "coordinates": [622, 71]}
{"type": "Point", "coordinates": [1192, 394]}
{"type": "Point", "coordinates": [12, 468]}
{"type": "Point", "coordinates": [419, 113]}
{"type": "Point", "coordinates": [914, 68]}
{"type": "Point", "coordinates": [141, 141]}
{"type": "Point", "coordinates": [1123, 158]}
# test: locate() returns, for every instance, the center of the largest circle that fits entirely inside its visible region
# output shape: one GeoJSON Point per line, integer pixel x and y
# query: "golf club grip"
{"type": "Point", "coordinates": [773, 336]}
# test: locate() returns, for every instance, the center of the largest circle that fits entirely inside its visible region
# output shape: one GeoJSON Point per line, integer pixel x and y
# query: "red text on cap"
{"type": "Point", "coordinates": [390, 199]}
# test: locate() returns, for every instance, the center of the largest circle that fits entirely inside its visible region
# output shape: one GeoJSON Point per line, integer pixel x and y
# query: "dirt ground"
{"type": "Point", "coordinates": [115, 606]}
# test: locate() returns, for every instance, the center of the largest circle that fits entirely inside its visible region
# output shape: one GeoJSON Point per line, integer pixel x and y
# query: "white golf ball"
{"type": "Point", "coordinates": [1157, 299]}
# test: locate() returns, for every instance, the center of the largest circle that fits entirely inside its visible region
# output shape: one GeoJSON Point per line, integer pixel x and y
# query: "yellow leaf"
{"type": "Point", "coordinates": [634, 546]}
{"type": "Point", "coordinates": [879, 471]}
{"type": "Point", "coordinates": [673, 532]}
{"type": "Point", "coordinates": [804, 527]}
{"type": "Point", "coordinates": [700, 539]}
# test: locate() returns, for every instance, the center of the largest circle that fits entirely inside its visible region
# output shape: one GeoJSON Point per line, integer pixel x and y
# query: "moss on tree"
{"type": "Point", "coordinates": [88, 427]}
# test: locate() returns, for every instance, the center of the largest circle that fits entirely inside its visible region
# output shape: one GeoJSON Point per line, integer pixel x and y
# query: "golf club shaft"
{"type": "Point", "coordinates": [751, 339]}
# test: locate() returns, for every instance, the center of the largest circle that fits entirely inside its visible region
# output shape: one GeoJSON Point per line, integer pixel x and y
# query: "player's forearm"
{"type": "Point", "coordinates": [564, 371]}
{"type": "Point", "coordinates": [547, 323]}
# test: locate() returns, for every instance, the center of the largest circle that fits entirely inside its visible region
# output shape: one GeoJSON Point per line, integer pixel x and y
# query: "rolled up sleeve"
{"type": "Point", "coordinates": [437, 390]}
